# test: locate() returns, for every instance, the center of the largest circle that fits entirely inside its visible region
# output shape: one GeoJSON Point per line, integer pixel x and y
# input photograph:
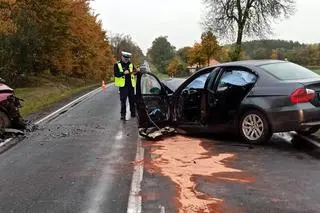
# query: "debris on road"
{"type": "Point", "coordinates": [13, 131]}
{"type": "Point", "coordinates": [156, 134]}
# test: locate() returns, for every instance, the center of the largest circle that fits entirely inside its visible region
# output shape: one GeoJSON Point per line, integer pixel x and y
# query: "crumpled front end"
{"type": "Point", "coordinates": [11, 106]}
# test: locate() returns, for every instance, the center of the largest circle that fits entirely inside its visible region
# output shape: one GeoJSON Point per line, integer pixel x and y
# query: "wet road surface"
{"type": "Point", "coordinates": [78, 162]}
{"type": "Point", "coordinates": [82, 161]}
{"type": "Point", "coordinates": [188, 174]}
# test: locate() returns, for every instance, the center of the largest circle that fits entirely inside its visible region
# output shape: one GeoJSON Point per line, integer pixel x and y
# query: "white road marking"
{"type": "Point", "coordinates": [5, 142]}
{"type": "Point", "coordinates": [119, 135]}
{"type": "Point", "coordinates": [162, 209]}
{"type": "Point", "coordinates": [127, 110]}
{"type": "Point", "coordinates": [98, 194]}
{"type": "Point", "coordinates": [135, 199]}
{"type": "Point", "coordinates": [69, 104]}
{"type": "Point", "coordinates": [93, 92]}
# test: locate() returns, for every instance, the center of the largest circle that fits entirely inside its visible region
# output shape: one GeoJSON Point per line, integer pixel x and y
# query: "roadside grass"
{"type": "Point", "coordinates": [317, 71]}
{"type": "Point", "coordinates": [45, 90]}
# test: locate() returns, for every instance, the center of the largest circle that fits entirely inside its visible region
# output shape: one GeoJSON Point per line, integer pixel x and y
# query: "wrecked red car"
{"type": "Point", "coordinates": [251, 98]}
{"type": "Point", "coordinates": [9, 108]}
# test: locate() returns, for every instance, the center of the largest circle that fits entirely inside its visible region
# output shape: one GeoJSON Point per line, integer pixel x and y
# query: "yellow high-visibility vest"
{"type": "Point", "coordinates": [120, 81]}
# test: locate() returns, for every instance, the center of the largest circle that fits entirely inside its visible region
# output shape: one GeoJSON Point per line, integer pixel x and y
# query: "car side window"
{"type": "Point", "coordinates": [150, 85]}
{"type": "Point", "coordinates": [236, 77]}
{"type": "Point", "coordinates": [199, 82]}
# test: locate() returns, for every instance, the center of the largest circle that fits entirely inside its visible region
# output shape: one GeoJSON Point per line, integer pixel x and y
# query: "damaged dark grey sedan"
{"type": "Point", "coordinates": [251, 98]}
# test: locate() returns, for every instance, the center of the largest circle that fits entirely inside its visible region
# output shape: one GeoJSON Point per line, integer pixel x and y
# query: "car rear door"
{"type": "Point", "coordinates": [226, 92]}
{"type": "Point", "coordinates": [151, 101]}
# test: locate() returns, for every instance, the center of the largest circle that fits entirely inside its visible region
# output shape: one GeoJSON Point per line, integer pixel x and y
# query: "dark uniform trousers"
{"type": "Point", "coordinates": [127, 92]}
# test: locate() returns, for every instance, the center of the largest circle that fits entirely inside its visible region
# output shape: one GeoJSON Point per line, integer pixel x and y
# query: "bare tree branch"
{"type": "Point", "coordinates": [245, 18]}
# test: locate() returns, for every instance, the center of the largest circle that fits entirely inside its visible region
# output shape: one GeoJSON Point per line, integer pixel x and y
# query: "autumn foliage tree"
{"type": "Point", "coordinates": [60, 36]}
{"type": "Point", "coordinates": [196, 56]}
{"type": "Point", "coordinates": [210, 47]}
{"type": "Point", "coordinates": [174, 66]}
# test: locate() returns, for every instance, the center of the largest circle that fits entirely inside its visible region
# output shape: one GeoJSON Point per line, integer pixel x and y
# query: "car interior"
{"type": "Point", "coordinates": [232, 87]}
{"type": "Point", "coordinates": [227, 93]}
{"type": "Point", "coordinates": [190, 109]}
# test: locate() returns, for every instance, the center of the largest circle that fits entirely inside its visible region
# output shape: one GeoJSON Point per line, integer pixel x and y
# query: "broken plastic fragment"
{"type": "Point", "coordinates": [14, 131]}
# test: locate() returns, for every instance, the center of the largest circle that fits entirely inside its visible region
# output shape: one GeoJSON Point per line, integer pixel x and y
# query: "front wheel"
{"type": "Point", "coordinates": [254, 127]}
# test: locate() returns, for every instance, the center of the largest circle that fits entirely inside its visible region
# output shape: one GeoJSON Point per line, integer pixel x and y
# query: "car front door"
{"type": "Point", "coordinates": [225, 94]}
{"type": "Point", "coordinates": [151, 101]}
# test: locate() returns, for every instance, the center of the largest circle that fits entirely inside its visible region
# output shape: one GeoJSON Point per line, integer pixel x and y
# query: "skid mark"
{"type": "Point", "coordinates": [182, 159]}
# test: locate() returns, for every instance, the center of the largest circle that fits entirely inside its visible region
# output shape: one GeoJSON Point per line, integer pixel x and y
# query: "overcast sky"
{"type": "Point", "coordinates": [180, 20]}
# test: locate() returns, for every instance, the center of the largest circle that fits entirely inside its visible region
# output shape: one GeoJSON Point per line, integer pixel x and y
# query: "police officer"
{"type": "Point", "coordinates": [124, 73]}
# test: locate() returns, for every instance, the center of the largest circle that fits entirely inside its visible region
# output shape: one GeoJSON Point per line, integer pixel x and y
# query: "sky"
{"type": "Point", "coordinates": [180, 20]}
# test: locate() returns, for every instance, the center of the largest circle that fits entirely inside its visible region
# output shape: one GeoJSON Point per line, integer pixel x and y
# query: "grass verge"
{"type": "Point", "coordinates": [317, 71]}
{"type": "Point", "coordinates": [47, 90]}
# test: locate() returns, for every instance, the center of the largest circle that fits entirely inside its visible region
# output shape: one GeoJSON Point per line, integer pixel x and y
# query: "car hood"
{"type": "Point", "coordinates": [173, 84]}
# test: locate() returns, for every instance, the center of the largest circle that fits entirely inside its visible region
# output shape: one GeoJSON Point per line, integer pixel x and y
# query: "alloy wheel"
{"type": "Point", "coordinates": [252, 127]}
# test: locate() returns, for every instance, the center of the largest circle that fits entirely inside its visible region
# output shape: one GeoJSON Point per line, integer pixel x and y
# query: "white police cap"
{"type": "Point", "coordinates": [126, 54]}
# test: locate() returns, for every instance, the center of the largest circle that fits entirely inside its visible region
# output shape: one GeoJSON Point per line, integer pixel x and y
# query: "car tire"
{"type": "Point", "coordinates": [254, 127]}
{"type": "Point", "coordinates": [308, 132]}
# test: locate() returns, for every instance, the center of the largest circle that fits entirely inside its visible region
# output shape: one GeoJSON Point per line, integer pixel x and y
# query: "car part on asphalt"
{"type": "Point", "coordinates": [157, 134]}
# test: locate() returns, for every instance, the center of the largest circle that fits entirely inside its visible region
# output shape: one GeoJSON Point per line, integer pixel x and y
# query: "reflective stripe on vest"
{"type": "Point", "coordinates": [120, 81]}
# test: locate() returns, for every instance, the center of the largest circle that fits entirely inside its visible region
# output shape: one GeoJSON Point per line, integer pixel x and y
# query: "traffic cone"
{"type": "Point", "coordinates": [103, 86]}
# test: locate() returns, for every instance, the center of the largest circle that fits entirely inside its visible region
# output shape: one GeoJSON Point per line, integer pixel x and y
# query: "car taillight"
{"type": "Point", "coordinates": [302, 95]}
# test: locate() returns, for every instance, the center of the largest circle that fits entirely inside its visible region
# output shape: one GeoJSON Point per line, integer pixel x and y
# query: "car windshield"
{"type": "Point", "coordinates": [289, 71]}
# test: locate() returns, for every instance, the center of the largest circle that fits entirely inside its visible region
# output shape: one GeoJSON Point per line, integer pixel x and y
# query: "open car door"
{"type": "Point", "coordinates": [151, 101]}
{"type": "Point", "coordinates": [226, 92]}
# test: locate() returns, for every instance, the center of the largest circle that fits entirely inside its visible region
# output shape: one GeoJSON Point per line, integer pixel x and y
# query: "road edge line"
{"type": "Point", "coordinates": [66, 106]}
{"type": "Point", "coordinates": [135, 199]}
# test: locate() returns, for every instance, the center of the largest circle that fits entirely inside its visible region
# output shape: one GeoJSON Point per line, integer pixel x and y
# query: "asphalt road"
{"type": "Point", "coordinates": [82, 161]}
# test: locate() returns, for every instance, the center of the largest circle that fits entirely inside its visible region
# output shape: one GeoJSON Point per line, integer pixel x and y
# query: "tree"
{"type": "Point", "coordinates": [120, 42]}
{"type": "Point", "coordinates": [182, 53]}
{"type": "Point", "coordinates": [274, 54]}
{"type": "Point", "coordinates": [195, 56]}
{"type": "Point", "coordinates": [161, 53]}
{"type": "Point", "coordinates": [7, 25]}
{"type": "Point", "coordinates": [224, 55]}
{"type": "Point", "coordinates": [61, 36]}
{"type": "Point", "coordinates": [244, 17]}
{"type": "Point", "coordinates": [209, 46]}
{"type": "Point", "coordinates": [173, 66]}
